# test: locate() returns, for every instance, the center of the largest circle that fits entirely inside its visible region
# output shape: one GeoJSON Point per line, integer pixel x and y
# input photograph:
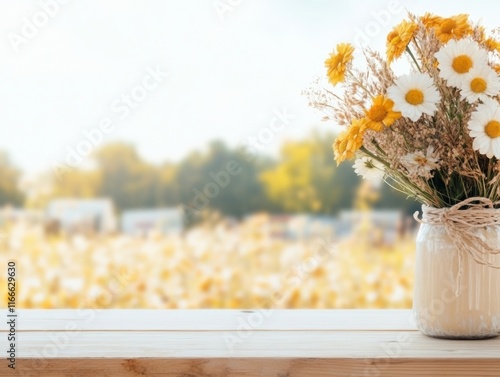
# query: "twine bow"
{"type": "Point", "coordinates": [460, 223]}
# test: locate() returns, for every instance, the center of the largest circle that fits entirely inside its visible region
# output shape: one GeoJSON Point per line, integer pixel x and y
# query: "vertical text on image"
{"type": "Point", "coordinates": [11, 314]}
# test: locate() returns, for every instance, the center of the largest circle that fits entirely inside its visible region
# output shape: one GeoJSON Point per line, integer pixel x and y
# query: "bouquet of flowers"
{"type": "Point", "coordinates": [433, 133]}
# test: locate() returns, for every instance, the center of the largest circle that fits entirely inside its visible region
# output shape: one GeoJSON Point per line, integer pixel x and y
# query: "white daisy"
{"type": "Point", "coordinates": [484, 126]}
{"type": "Point", "coordinates": [370, 169]}
{"type": "Point", "coordinates": [413, 95]}
{"type": "Point", "coordinates": [421, 164]}
{"type": "Point", "coordinates": [457, 58]}
{"type": "Point", "coordinates": [480, 83]}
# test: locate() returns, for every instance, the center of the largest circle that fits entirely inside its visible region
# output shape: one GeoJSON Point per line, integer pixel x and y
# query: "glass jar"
{"type": "Point", "coordinates": [455, 299]}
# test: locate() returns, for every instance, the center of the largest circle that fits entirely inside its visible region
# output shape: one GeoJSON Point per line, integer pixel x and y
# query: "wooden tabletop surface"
{"type": "Point", "coordinates": [246, 343]}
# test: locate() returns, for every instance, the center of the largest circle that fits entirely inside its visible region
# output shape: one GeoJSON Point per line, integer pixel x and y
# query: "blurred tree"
{"type": "Point", "coordinates": [221, 179]}
{"type": "Point", "coordinates": [9, 189]}
{"type": "Point", "coordinates": [126, 178]}
{"type": "Point", "coordinates": [366, 196]}
{"type": "Point", "coordinates": [306, 178]}
{"type": "Point", "coordinates": [77, 184]}
{"type": "Point", "coordinates": [392, 199]}
{"type": "Point", "coordinates": [289, 183]}
{"type": "Point", "coordinates": [168, 188]}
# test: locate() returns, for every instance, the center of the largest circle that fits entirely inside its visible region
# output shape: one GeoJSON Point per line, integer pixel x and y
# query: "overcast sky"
{"type": "Point", "coordinates": [229, 70]}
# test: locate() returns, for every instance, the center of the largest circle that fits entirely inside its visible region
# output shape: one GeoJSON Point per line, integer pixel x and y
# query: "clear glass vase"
{"type": "Point", "coordinates": [447, 303]}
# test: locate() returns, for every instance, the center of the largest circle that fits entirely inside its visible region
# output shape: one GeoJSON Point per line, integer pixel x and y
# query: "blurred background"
{"type": "Point", "coordinates": [161, 154]}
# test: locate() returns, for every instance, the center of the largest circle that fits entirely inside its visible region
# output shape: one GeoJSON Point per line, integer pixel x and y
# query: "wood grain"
{"type": "Point", "coordinates": [226, 343]}
{"type": "Point", "coordinates": [236, 367]}
{"type": "Point", "coordinates": [260, 344]}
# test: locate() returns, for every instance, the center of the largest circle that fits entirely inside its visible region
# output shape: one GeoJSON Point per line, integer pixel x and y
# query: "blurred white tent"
{"type": "Point", "coordinates": [145, 221]}
{"type": "Point", "coordinates": [74, 215]}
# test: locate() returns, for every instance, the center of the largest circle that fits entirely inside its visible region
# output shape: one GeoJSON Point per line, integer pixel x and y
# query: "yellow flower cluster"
{"type": "Point", "coordinates": [451, 88]}
{"type": "Point", "coordinates": [399, 38]}
{"type": "Point", "coordinates": [217, 267]}
{"type": "Point", "coordinates": [338, 62]}
{"type": "Point", "coordinates": [455, 27]}
{"type": "Point", "coordinates": [491, 44]}
{"type": "Point", "coordinates": [381, 113]}
{"type": "Point", "coordinates": [349, 141]}
{"type": "Point", "coordinates": [378, 116]}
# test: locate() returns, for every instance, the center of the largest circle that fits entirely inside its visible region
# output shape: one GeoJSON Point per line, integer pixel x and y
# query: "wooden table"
{"type": "Point", "coordinates": [230, 343]}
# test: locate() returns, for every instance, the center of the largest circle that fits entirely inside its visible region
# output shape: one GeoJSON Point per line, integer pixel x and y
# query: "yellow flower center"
{"type": "Point", "coordinates": [478, 85]}
{"type": "Point", "coordinates": [377, 113]}
{"type": "Point", "coordinates": [462, 64]}
{"type": "Point", "coordinates": [414, 97]}
{"type": "Point", "coordinates": [420, 160]}
{"type": "Point", "coordinates": [492, 129]}
{"type": "Point", "coordinates": [448, 25]}
{"type": "Point", "coordinates": [391, 36]}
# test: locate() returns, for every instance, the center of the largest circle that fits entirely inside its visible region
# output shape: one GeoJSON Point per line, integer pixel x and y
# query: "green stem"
{"type": "Point", "coordinates": [407, 183]}
{"type": "Point", "coordinates": [413, 57]}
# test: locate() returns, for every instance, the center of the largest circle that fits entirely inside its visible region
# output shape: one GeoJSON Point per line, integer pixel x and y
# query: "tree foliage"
{"type": "Point", "coordinates": [10, 193]}
{"type": "Point", "coordinates": [306, 179]}
{"type": "Point", "coordinates": [303, 179]}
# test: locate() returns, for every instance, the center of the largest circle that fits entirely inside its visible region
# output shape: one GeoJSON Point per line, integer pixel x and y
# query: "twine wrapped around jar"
{"type": "Point", "coordinates": [460, 223]}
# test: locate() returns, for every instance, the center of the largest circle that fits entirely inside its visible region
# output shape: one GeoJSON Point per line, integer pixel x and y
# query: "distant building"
{"type": "Point", "coordinates": [82, 215]}
{"type": "Point", "coordinates": [382, 218]}
{"type": "Point", "coordinates": [144, 221]}
{"type": "Point", "coordinates": [388, 222]}
{"type": "Point", "coordinates": [278, 226]}
{"type": "Point", "coordinates": [311, 226]}
{"type": "Point", "coordinates": [295, 227]}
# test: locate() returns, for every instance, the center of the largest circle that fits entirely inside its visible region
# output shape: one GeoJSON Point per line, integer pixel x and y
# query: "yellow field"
{"type": "Point", "coordinates": [218, 267]}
